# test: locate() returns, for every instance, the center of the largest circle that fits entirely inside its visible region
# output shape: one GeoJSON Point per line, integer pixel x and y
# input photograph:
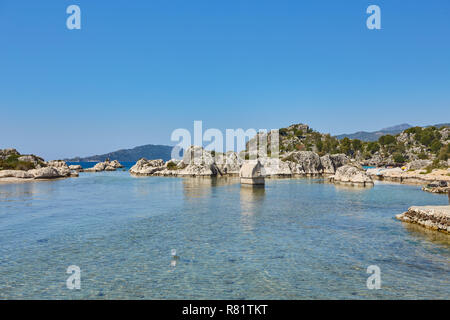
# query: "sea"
{"type": "Point", "coordinates": [211, 238]}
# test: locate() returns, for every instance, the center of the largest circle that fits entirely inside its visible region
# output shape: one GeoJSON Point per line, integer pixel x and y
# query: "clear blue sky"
{"type": "Point", "coordinates": [137, 70]}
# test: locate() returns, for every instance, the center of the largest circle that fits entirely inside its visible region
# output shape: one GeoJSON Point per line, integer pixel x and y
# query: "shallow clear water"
{"type": "Point", "coordinates": [295, 239]}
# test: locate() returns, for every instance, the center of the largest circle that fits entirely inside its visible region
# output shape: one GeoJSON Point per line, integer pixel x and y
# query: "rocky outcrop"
{"type": "Point", "coordinates": [31, 167]}
{"type": "Point", "coordinates": [351, 175]}
{"type": "Point", "coordinates": [20, 174]}
{"type": "Point", "coordinates": [76, 167]}
{"type": "Point", "coordinates": [46, 173]}
{"type": "Point", "coordinates": [432, 217]}
{"type": "Point", "coordinates": [331, 162]}
{"type": "Point", "coordinates": [273, 167]}
{"type": "Point", "coordinates": [6, 153]}
{"type": "Point", "coordinates": [409, 177]}
{"type": "Point", "coordinates": [146, 167]}
{"type": "Point", "coordinates": [308, 162]}
{"type": "Point", "coordinates": [200, 162]}
{"type": "Point", "coordinates": [229, 163]}
{"type": "Point", "coordinates": [38, 162]}
{"type": "Point", "coordinates": [105, 166]}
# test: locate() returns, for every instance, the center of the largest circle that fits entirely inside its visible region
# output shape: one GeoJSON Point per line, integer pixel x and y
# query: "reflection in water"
{"type": "Point", "coordinates": [199, 187]}
{"type": "Point", "coordinates": [25, 191]}
{"type": "Point", "coordinates": [351, 187]}
{"type": "Point", "coordinates": [296, 239]}
{"type": "Point", "coordinates": [252, 202]}
{"type": "Point", "coordinates": [427, 234]}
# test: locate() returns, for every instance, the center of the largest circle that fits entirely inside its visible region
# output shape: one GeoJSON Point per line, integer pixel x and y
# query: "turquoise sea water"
{"type": "Point", "coordinates": [295, 239]}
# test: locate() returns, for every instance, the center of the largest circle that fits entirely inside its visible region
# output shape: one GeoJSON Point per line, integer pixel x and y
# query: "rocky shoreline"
{"type": "Point", "coordinates": [28, 168]}
{"type": "Point", "coordinates": [410, 176]}
{"type": "Point", "coordinates": [431, 217]}
{"type": "Point", "coordinates": [200, 162]}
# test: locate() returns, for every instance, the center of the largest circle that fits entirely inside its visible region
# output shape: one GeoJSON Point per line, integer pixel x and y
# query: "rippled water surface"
{"type": "Point", "coordinates": [295, 239]}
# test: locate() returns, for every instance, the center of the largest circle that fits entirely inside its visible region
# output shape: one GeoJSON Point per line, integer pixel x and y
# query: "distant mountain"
{"type": "Point", "coordinates": [149, 151]}
{"type": "Point", "coordinates": [399, 127]}
{"type": "Point", "coordinates": [374, 135]}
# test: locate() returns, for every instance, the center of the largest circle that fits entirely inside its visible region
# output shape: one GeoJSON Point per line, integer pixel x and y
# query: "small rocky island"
{"type": "Point", "coordinates": [105, 166]}
{"type": "Point", "coordinates": [15, 167]}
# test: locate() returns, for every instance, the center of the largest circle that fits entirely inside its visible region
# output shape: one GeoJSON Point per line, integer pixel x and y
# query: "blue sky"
{"type": "Point", "coordinates": [137, 70]}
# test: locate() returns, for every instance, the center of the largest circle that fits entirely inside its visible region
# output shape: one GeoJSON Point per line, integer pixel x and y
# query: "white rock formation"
{"type": "Point", "coordinates": [352, 175]}
{"type": "Point", "coordinates": [147, 167]}
{"type": "Point", "coordinates": [105, 166]}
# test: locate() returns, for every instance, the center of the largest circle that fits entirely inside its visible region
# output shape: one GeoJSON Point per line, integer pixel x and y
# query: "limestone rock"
{"type": "Point", "coordinates": [197, 155]}
{"type": "Point", "coordinates": [330, 163]}
{"type": "Point", "coordinates": [229, 163]}
{"type": "Point", "coordinates": [147, 167]}
{"type": "Point", "coordinates": [308, 160]}
{"type": "Point", "coordinates": [105, 166]}
{"type": "Point", "coordinates": [276, 167]}
{"type": "Point", "coordinates": [352, 175]}
{"type": "Point", "coordinates": [76, 167]}
{"type": "Point", "coordinates": [15, 174]}
{"type": "Point", "coordinates": [432, 217]}
{"type": "Point", "coordinates": [418, 164]}
{"type": "Point", "coordinates": [45, 173]}
{"type": "Point", "coordinates": [5, 153]}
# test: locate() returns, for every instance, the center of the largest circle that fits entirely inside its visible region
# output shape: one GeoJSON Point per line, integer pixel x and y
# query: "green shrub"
{"type": "Point", "coordinates": [171, 165]}
{"type": "Point", "coordinates": [387, 139]}
{"type": "Point", "coordinates": [13, 163]}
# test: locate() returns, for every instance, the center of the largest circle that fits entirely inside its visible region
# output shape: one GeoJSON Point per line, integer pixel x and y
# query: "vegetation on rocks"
{"type": "Point", "coordinates": [429, 143]}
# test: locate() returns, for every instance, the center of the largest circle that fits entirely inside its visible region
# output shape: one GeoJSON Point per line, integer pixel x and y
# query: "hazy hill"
{"type": "Point", "coordinates": [374, 135]}
{"type": "Point", "coordinates": [149, 151]}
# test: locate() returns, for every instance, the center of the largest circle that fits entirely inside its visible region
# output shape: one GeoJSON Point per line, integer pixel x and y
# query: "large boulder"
{"type": "Point", "coordinates": [275, 167]}
{"type": "Point", "coordinates": [147, 167]}
{"type": "Point", "coordinates": [228, 163]}
{"type": "Point", "coordinates": [331, 162]}
{"type": "Point", "coordinates": [45, 173]}
{"type": "Point", "coordinates": [198, 162]}
{"type": "Point", "coordinates": [105, 166]}
{"type": "Point", "coordinates": [115, 164]}
{"type": "Point", "coordinates": [197, 155]}
{"type": "Point", "coordinates": [309, 161]}
{"type": "Point", "coordinates": [61, 166]}
{"type": "Point", "coordinates": [76, 167]}
{"type": "Point", "coordinates": [352, 175]}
